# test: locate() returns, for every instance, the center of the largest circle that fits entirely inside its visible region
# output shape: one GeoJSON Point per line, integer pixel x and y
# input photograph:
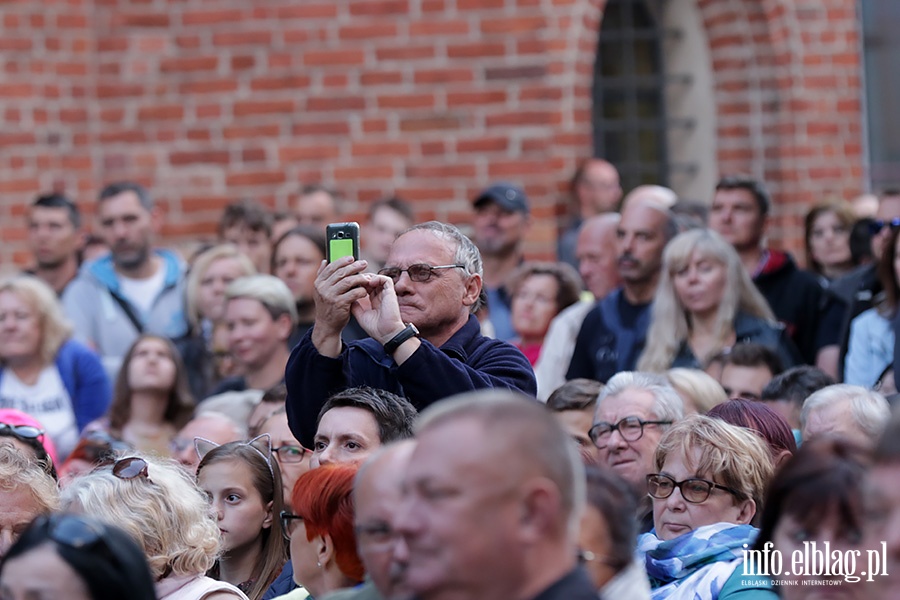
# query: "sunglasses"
{"type": "Point", "coordinates": [877, 226]}
{"type": "Point", "coordinates": [131, 467]}
{"type": "Point", "coordinates": [79, 533]}
{"type": "Point", "coordinates": [22, 432]}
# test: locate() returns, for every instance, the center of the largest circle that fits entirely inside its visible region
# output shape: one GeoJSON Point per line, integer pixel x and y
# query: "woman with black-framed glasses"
{"type": "Point", "coordinates": [72, 557]}
{"type": "Point", "coordinates": [710, 479]}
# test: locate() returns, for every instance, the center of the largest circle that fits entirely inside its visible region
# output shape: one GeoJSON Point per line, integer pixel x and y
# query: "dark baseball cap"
{"type": "Point", "coordinates": [507, 195]}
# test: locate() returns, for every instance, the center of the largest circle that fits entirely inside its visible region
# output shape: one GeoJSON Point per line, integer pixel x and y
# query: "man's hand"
{"type": "Point", "coordinates": [339, 285]}
{"type": "Point", "coordinates": [380, 316]}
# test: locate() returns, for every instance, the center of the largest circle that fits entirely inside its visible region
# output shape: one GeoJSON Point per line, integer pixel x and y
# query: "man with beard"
{"type": "Point", "coordinates": [425, 342]}
{"type": "Point", "coordinates": [612, 335]}
{"type": "Point", "coordinates": [136, 288]}
{"type": "Point", "coordinates": [55, 239]}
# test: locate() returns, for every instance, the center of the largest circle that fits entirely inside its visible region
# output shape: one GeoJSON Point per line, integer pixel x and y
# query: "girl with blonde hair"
{"type": "Point", "coordinates": [706, 302]}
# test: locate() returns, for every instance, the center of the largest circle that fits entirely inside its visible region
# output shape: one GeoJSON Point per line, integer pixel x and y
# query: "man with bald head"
{"type": "Point", "coordinates": [493, 496]}
{"type": "Point", "coordinates": [613, 332]}
{"type": "Point", "coordinates": [596, 254]}
{"type": "Point", "coordinates": [377, 494]}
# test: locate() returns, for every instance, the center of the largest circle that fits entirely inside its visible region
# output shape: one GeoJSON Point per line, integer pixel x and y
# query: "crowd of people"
{"type": "Point", "coordinates": [656, 414]}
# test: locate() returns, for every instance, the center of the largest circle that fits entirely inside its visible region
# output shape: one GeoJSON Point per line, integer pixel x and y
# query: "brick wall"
{"type": "Point", "coordinates": [209, 101]}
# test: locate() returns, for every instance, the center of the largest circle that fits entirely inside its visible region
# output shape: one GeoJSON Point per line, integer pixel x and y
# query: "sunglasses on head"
{"type": "Point", "coordinates": [877, 226]}
{"type": "Point", "coordinates": [131, 467]}
{"type": "Point", "coordinates": [23, 432]}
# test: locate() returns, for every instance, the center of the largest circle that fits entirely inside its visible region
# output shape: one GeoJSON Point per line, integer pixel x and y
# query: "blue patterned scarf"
{"type": "Point", "coordinates": [696, 564]}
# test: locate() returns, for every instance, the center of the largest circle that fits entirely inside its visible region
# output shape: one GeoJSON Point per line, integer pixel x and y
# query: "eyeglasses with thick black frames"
{"type": "Point", "coordinates": [630, 428]}
{"type": "Point", "coordinates": [694, 490]}
{"type": "Point", "coordinates": [287, 522]}
{"type": "Point", "coordinates": [420, 273]}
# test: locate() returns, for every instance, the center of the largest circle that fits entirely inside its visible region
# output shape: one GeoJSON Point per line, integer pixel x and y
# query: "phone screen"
{"type": "Point", "coordinates": [340, 248]}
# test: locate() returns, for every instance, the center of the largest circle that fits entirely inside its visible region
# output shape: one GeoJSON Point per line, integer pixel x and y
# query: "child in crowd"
{"type": "Point", "coordinates": [243, 484]}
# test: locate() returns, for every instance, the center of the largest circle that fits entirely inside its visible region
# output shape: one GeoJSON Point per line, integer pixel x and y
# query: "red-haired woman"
{"type": "Point", "coordinates": [323, 545]}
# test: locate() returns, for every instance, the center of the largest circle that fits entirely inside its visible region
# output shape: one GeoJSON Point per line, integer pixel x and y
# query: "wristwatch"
{"type": "Point", "coordinates": [392, 344]}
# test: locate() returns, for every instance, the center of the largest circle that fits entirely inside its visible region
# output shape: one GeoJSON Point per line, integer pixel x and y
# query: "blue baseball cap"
{"type": "Point", "coordinates": [507, 195]}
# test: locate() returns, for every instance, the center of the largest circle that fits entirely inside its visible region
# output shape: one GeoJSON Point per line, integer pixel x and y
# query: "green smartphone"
{"type": "Point", "coordinates": [343, 240]}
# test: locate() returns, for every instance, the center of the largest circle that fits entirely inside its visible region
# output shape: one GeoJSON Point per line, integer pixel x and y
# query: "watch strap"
{"type": "Point", "coordinates": [406, 333]}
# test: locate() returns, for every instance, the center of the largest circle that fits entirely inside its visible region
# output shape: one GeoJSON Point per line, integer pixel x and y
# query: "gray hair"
{"type": "Point", "coordinates": [272, 292]}
{"type": "Point", "coordinates": [467, 253]}
{"type": "Point", "coordinates": [869, 409]}
{"type": "Point", "coordinates": [667, 404]}
{"type": "Point", "coordinates": [530, 432]}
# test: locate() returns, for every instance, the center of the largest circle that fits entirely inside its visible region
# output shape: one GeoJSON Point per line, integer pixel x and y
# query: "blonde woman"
{"type": "Point", "coordinates": [211, 273]}
{"type": "Point", "coordinates": [158, 504]}
{"type": "Point", "coordinates": [709, 483]}
{"type": "Point", "coordinates": [705, 303]}
{"type": "Point", "coordinates": [43, 371]}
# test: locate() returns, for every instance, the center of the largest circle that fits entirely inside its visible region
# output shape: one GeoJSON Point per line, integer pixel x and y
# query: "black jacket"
{"type": "Point", "coordinates": [467, 361]}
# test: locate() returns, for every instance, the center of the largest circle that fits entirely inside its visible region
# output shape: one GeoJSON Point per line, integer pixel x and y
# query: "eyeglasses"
{"type": "Point", "coordinates": [131, 467]}
{"type": "Point", "coordinates": [694, 490]}
{"type": "Point", "coordinates": [630, 428]}
{"type": "Point", "coordinates": [287, 521]}
{"type": "Point", "coordinates": [420, 273]}
{"type": "Point", "coordinates": [290, 454]}
{"type": "Point", "coordinates": [22, 432]}
{"type": "Point", "coordinates": [876, 226]}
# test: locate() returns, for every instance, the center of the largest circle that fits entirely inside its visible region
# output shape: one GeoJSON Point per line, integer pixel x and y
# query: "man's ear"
{"type": "Point", "coordinates": [539, 509]}
{"type": "Point", "coordinates": [473, 289]}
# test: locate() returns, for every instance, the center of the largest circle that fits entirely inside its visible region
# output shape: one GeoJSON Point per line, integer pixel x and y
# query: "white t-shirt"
{"type": "Point", "coordinates": [47, 401]}
{"type": "Point", "coordinates": [142, 292]}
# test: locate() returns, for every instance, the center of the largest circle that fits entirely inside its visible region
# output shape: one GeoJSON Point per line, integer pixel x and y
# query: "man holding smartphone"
{"type": "Point", "coordinates": [425, 343]}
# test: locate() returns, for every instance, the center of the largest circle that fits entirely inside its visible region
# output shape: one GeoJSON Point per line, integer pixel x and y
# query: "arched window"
{"type": "Point", "coordinates": [654, 112]}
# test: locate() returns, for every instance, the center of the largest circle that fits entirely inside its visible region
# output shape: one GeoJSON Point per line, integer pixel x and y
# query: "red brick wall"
{"type": "Point", "coordinates": [209, 101]}
{"type": "Point", "coordinates": [788, 79]}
